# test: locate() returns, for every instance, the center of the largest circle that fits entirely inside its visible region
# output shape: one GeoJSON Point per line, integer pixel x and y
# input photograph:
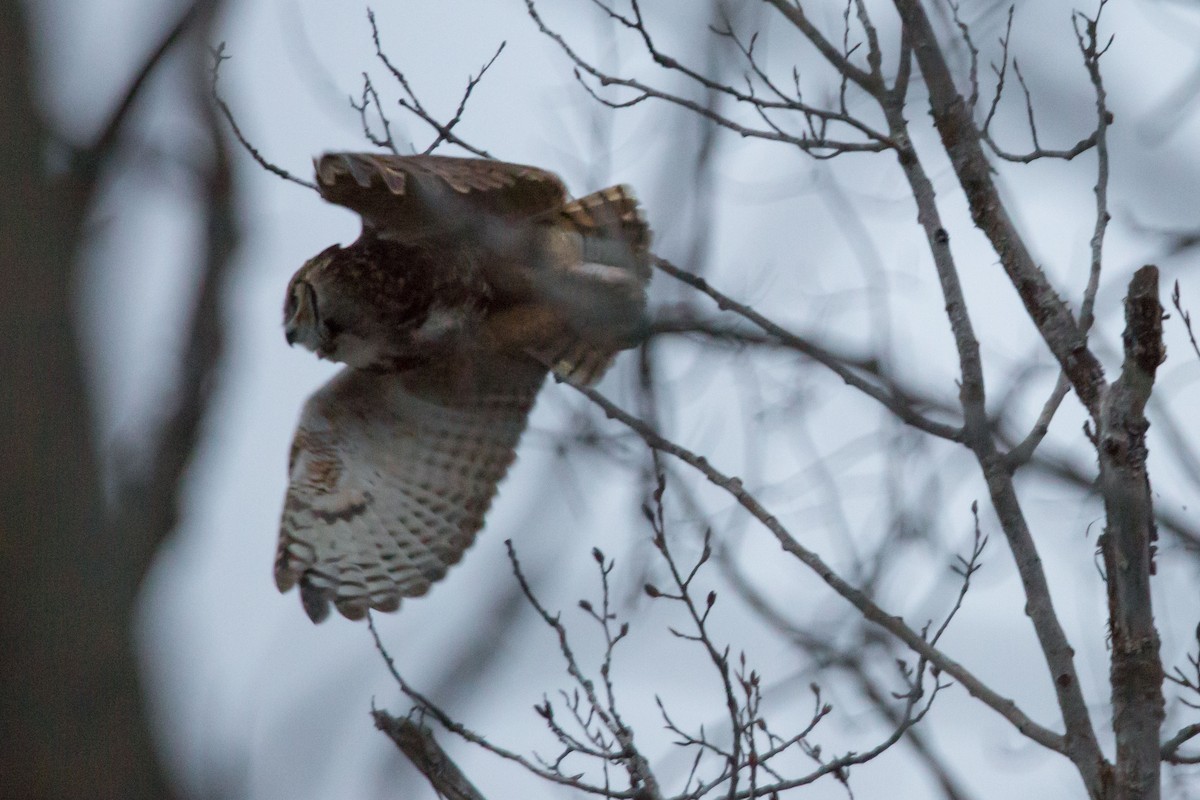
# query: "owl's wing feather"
{"type": "Point", "coordinates": [595, 275]}
{"type": "Point", "coordinates": [391, 475]}
{"type": "Point", "coordinates": [410, 197]}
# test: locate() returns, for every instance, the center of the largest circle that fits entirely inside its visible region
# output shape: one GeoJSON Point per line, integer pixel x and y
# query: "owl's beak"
{"type": "Point", "coordinates": [291, 330]}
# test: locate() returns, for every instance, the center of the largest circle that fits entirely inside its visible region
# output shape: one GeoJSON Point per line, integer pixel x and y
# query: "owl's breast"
{"type": "Point", "coordinates": [413, 303]}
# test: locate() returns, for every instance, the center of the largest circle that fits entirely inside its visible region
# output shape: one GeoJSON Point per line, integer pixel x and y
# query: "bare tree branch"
{"type": "Point", "coordinates": [1099, 137]}
{"type": "Point", "coordinates": [904, 410]}
{"type": "Point", "coordinates": [417, 744]}
{"type": "Point", "coordinates": [219, 57]}
{"type": "Point", "coordinates": [815, 142]}
{"type": "Point", "coordinates": [794, 13]}
{"type": "Point", "coordinates": [1170, 748]}
{"type": "Point", "coordinates": [894, 625]}
{"type": "Point", "coordinates": [147, 504]}
{"type": "Point", "coordinates": [412, 104]}
{"type": "Point", "coordinates": [1128, 545]}
{"type": "Point", "coordinates": [961, 139]}
{"type": "Point", "coordinates": [962, 142]}
{"type": "Point", "coordinates": [370, 98]}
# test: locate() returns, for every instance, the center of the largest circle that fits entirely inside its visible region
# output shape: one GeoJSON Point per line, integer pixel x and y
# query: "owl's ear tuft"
{"type": "Point", "coordinates": [325, 256]}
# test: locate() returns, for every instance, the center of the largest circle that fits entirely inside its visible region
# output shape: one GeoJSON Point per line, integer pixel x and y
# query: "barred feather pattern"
{"type": "Point", "coordinates": [409, 197]}
{"type": "Point", "coordinates": [390, 479]}
{"type": "Point", "coordinates": [599, 280]}
{"type": "Point", "coordinates": [613, 214]}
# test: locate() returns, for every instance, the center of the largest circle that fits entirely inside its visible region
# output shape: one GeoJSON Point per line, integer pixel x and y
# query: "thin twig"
{"type": "Point", "coordinates": [413, 104]}
{"type": "Point", "coordinates": [964, 31]}
{"type": "Point", "coordinates": [1170, 748]}
{"type": "Point", "coordinates": [901, 409]}
{"type": "Point", "coordinates": [641, 776]}
{"type": "Point", "coordinates": [817, 145]}
{"type": "Point", "coordinates": [1177, 301]}
{"type": "Point", "coordinates": [472, 82]}
{"type": "Point", "coordinates": [218, 54]}
{"type": "Point", "coordinates": [1038, 152]}
{"type": "Point", "coordinates": [1021, 454]}
{"type": "Point", "coordinates": [969, 566]}
{"type": "Point", "coordinates": [370, 97]}
{"type": "Point", "coordinates": [794, 13]}
{"type": "Point", "coordinates": [864, 604]}
{"type": "Point", "coordinates": [445, 720]}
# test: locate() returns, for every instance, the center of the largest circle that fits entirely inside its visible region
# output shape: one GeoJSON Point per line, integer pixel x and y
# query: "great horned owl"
{"type": "Point", "coordinates": [471, 279]}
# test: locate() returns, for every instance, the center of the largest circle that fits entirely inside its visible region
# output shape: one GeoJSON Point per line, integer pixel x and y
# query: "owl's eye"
{"type": "Point", "coordinates": [310, 299]}
{"type": "Point", "coordinates": [292, 304]}
{"type": "Point", "coordinates": [302, 302]}
{"type": "Point", "coordinates": [310, 302]}
{"type": "Point", "coordinates": [302, 316]}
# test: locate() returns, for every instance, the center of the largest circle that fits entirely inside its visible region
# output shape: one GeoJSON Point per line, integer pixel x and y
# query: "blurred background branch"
{"type": "Point", "coordinates": [76, 540]}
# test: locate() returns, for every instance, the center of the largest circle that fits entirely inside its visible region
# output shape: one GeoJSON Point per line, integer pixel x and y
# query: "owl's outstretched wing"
{"type": "Point", "coordinates": [390, 477]}
{"type": "Point", "coordinates": [409, 197]}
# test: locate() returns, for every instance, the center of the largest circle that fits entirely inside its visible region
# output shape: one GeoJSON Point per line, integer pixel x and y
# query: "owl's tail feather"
{"type": "Point", "coordinates": [614, 230]}
{"type": "Point", "coordinates": [601, 291]}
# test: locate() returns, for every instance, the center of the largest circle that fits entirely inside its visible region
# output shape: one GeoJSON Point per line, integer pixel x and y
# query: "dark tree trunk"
{"type": "Point", "coordinates": [74, 725]}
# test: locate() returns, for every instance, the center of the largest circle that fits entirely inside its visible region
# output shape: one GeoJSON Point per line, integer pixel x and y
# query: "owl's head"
{"type": "Point", "coordinates": [310, 308]}
{"type": "Point", "coordinates": [328, 310]}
